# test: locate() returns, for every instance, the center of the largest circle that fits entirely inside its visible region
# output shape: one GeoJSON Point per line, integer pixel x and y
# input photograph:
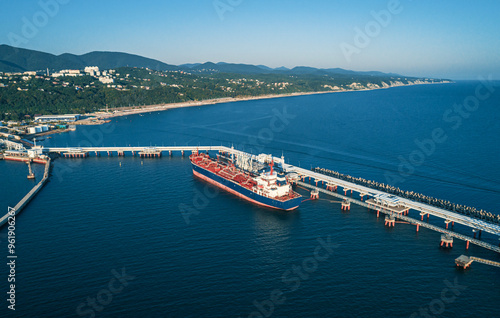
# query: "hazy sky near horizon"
{"type": "Point", "coordinates": [449, 39]}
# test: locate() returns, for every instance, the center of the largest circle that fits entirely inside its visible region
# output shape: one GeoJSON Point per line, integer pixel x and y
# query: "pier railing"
{"type": "Point", "coordinates": [130, 149]}
{"type": "Point", "coordinates": [474, 223]}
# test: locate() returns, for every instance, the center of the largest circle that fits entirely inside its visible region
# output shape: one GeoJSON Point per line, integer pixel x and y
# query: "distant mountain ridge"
{"type": "Point", "coordinates": [21, 60]}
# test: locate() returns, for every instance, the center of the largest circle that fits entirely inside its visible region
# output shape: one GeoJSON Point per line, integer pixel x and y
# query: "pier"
{"type": "Point", "coordinates": [151, 152]}
{"type": "Point", "coordinates": [396, 212]}
{"type": "Point", "coordinates": [27, 198]}
{"type": "Point", "coordinates": [465, 262]}
{"type": "Point", "coordinates": [75, 153]}
{"type": "Point", "coordinates": [396, 208]}
{"type": "Point", "coordinates": [425, 209]}
{"type": "Point", "coordinates": [147, 152]}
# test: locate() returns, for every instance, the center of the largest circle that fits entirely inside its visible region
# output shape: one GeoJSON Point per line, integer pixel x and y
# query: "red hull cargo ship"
{"type": "Point", "coordinates": [265, 188]}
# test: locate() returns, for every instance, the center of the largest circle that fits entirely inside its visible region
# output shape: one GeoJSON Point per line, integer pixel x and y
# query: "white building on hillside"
{"type": "Point", "coordinates": [92, 70]}
{"type": "Point", "coordinates": [67, 73]}
{"type": "Point", "coordinates": [106, 80]}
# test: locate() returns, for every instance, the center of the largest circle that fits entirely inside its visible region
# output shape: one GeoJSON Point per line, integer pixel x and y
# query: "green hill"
{"type": "Point", "coordinates": [20, 60]}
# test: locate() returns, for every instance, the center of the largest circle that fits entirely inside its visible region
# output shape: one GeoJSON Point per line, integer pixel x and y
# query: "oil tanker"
{"type": "Point", "coordinates": [253, 180]}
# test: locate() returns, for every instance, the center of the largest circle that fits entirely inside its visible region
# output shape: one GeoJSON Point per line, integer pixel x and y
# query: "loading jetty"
{"type": "Point", "coordinates": [27, 198]}
{"type": "Point", "coordinates": [404, 208]}
{"type": "Point", "coordinates": [402, 213]}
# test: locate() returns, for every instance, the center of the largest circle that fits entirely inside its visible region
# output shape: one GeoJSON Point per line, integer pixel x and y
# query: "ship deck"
{"type": "Point", "coordinates": [229, 172]}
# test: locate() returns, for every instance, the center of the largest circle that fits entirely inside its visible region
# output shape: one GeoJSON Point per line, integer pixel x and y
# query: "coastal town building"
{"type": "Point", "coordinates": [106, 80]}
{"type": "Point", "coordinates": [92, 70]}
{"type": "Point", "coordinates": [67, 73]}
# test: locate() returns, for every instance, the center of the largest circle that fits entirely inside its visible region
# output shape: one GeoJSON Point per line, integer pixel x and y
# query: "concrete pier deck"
{"type": "Point", "coordinates": [471, 222]}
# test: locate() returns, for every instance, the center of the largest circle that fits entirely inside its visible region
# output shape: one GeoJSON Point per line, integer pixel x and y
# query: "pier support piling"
{"type": "Point", "coordinates": [446, 240]}
{"type": "Point", "coordinates": [390, 220]}
{"type": "Point", "coordinates": [422, 214]}
{"type": "Point", "coordinates": [314, 194]}
{"type": "Point", "coordinates": [447, 222]}
{"type": "Point", "coordinates": [346, 205]}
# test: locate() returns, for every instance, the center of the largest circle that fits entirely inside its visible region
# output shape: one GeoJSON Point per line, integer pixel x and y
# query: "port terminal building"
{"type": "Point", "coordinates": [56, 118]}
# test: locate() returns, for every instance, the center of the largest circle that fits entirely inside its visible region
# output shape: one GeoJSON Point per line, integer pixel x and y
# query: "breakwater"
{"type": "Point", "coordinates": [27, 198]}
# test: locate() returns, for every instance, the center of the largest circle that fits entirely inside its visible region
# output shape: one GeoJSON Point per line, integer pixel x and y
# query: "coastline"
{"type": "Point", "coordinates": [162, 107]}
{"type": "Point", "coordinates": [101, 117]}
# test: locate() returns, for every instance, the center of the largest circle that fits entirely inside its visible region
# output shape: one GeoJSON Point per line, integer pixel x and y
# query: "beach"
{"type": "Point", "coordinates": [124, 111]}
{"type": "Point", "coordinates": [100, 117]}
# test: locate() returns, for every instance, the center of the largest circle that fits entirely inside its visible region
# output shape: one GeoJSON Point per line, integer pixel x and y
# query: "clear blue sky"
{"type": "Point", "coordinates": [453, 39]}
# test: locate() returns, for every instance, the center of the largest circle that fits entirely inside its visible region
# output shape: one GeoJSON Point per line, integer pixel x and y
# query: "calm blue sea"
{"type": "Point", "coordinates": [131, 237]}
